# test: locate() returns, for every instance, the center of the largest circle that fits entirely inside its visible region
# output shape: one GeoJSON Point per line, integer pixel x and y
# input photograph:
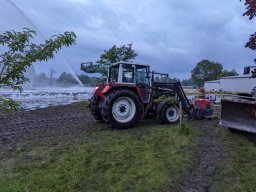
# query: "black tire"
{"type": "Point", "coordinates": [197, 114]}
{"type": "Point", "coordinates": [121, 109]}
{"type": "Point", "coordinates": [169, 114]}
{"type": "Point", "coordinates": [95, 107]}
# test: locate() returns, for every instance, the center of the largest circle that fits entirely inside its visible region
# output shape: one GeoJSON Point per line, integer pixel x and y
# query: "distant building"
{"type": "Point", "coordinates": [235, 84]}
{"type": "Point", "coordinates": [212, 85]}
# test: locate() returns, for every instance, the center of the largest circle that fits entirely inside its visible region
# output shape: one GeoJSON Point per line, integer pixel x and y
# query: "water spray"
{"type": "Point", "coordinates": [26, 17]}
{"type": "Point", "coordinates": [63, 60]}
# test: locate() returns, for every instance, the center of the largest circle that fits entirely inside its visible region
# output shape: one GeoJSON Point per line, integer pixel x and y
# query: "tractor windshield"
{"type": "Point", "coordinates": [128, 73]}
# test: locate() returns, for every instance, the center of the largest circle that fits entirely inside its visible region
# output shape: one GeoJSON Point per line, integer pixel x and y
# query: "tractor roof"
{"type": "Point", "coordinates": [129, 63]}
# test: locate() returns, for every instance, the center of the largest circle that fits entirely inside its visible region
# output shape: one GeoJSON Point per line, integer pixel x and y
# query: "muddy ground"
{"type": "Point", "coordinates": [61, 125]}
{"type": "Point", "coordinates": [208, 159]}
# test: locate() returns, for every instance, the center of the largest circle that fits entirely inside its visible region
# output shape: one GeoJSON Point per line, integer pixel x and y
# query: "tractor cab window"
{"type": "Point", "coordinates": [128, 73]}
{"type": "Point", "coordinates": [142, 75]}
{"type": "Point", "coordinates": [113, 74]}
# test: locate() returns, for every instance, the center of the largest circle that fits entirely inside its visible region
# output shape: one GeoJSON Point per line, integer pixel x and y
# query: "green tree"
{"type": "Point", "coordinates": [66, 78]}
{"type": "Point", "coordinates": [20, 53]}
{"type": "Point", "coordinates": [206, 70]}
{"type": "Point", "coordinates": [42, 78]}
{"type": "Point", "coordinates": [250, 8]}
{"type": "Point", "coordinates": [187, 82]}
{"type": "Point", "coordinates": [251, 13]}
{"type": "Point", "coordinates": [226, 73]}
{"type": "Point", "coordinates": [84, 79]}
{"type": "Point", "coordinates": [62, 77]}
{"type": "Point", "coordinates": [116, 54]}
{"type": "Point", "coordinates": [95, 80]}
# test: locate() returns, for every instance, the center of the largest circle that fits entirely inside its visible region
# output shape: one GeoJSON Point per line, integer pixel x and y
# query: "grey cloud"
{"type": "Point", "coordinates": [172, 36]}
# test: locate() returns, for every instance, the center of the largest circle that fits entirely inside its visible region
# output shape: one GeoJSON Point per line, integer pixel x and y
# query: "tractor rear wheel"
{"type": "Point", "coordinates": [121, 109]}
{"type": "Point", "coordinates": [94, 107]}
{"type": "Point", "coordinates": [169, 113]}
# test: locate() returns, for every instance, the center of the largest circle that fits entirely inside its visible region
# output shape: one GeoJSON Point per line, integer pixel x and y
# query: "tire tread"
{"type": "Point", "coordinates": [106, 109]}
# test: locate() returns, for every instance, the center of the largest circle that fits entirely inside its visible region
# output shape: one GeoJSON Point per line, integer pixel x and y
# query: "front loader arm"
{"type": "Point", "coordinates": [89, 67]}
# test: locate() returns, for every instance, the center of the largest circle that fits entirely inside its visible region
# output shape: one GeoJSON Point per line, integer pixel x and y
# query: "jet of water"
{"type": "Point", "coordinates": [26, 18]}
{"type": "Point", "coordinates": [64, 61]}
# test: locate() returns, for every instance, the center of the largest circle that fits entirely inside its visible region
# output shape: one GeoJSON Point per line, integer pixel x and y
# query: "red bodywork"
{"type": "Point", "coordinates": [202, 104]}
{"type": "Point", "coordinates": [99, 89]}
{"type": "Point", "coordinates": [102, 89]}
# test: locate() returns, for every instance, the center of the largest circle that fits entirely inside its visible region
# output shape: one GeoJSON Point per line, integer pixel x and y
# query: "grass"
{"type": "Point", "coordinates": [106, 161]}
{"type": "Point", "coordinates": [239, 171]}
{"type": "Point", "coordinates": [84, 103]}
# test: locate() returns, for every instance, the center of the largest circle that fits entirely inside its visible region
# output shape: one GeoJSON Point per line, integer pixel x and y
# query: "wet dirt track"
{"type": "Point", "coordinates": [208, 159]}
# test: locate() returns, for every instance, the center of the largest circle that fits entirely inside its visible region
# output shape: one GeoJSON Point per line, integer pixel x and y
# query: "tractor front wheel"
{"type": "Point", "coordinates": [121, 109]}
{"type": "Point", "coordinates": [169, 113]}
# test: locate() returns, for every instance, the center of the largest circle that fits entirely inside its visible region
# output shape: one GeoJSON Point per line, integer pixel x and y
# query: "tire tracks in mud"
{"type": "Point", "coordinates": [206, 172]}
{"type": "Point", "coordinates": [208, 160]}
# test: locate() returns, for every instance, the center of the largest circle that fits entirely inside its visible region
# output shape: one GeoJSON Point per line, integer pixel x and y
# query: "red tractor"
{"type": "Point", "coordinates": [131, 92]}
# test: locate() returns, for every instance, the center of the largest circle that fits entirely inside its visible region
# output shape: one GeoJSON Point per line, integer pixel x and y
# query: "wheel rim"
{"type": "Point", "coordinates": [124, 109]}
{"type": "Point", "coordinates": [172, 114]}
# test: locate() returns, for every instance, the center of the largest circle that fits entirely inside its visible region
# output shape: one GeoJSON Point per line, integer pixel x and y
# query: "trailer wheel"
{"type": "Point", "coordinates": [94, 107]}
{"type": "Point", "coordinates": [169, 113]}
{"type": "Point", "coordinates": [121, 109]}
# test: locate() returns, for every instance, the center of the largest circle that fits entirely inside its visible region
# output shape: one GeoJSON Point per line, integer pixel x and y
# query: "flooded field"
{"type": "Point", "coordinates": [34, 98]}
{"type": "Point", "coordinates": [41, 97]}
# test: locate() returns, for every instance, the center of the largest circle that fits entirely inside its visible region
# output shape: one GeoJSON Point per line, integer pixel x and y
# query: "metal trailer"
{"type": "Point", "coordinates": [239, 113]}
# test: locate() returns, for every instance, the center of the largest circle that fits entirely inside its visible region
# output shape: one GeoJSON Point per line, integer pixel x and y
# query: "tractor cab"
{"type": "Point", "coordinates": [136, 76]}
{"type": "Point", "coordinates": [121, 72]}
{"type": "Point", "coordinates": [123, 75]}
{"type": "Point", "coordinates": [129, 73]}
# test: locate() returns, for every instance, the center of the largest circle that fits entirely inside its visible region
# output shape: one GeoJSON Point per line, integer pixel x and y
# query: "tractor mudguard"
{"type": "Point", "coordinates": [106, 89]}
{"type": "Point", "coordinates": [99, 89]}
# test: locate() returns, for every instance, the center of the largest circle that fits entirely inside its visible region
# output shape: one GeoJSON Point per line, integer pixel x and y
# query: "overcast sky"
{"type": "Point", "coordinates": [170, 35]}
